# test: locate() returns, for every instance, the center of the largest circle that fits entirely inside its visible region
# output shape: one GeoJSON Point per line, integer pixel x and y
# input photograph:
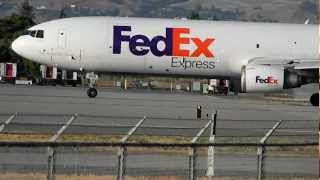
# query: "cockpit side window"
{"type": "Point", "coordinates": [32, 33]}
{"type": "Point", "coordinates": [40, 34]}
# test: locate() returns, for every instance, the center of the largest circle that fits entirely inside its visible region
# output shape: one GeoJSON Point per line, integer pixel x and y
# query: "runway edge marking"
{"type": "Point", "coordinates": [7, 122]}
{"type": "Point", "coordinates": [63, 128]}
{"type": "Point", "coordinates": [132, 130]}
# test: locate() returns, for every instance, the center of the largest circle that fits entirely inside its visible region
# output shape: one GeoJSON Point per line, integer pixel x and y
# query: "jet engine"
{"type": "Point", "coordinates": [267, 78]}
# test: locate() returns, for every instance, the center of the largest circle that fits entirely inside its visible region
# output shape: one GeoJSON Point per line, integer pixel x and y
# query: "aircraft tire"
{"type": "Point", "coordinates": [92, 92]}
{"type": "Point", "coordinates": [314, 99]}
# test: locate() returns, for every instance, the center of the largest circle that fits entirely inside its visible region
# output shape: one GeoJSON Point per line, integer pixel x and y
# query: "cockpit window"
{"type": "Point", "coordinates": [35, 33]}
{"type": "Point", "coordinates": [40, 34]}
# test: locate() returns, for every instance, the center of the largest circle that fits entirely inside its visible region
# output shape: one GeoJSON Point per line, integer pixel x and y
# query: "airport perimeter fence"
{"type": "Point", "coordinates": [202, 149]}
{"type": "Point", "coordinates": [52, 160]}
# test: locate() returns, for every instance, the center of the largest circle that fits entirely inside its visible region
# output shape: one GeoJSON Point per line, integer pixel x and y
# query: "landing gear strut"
{"type": "Point", "coordinates": [314, 99]}
{"type": "Point", "coordinates": [92, 92]}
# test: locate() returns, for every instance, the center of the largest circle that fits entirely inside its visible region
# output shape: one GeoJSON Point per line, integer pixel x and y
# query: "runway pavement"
{"type": "Point", "coordinates": [46, 109]}
{"type": "Point", "coordinates": [69, 100]}
{"type": "Point", "coordinates": [116, 111]}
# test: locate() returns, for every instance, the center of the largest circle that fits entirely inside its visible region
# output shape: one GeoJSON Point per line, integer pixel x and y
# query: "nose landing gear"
{"type": "Point", "coordinates": [92, 92]}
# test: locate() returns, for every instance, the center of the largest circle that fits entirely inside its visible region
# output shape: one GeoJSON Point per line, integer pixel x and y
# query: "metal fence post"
{"type": "Point", "coordinates": [192, 163]}
{"type": "Point", "coordinates": [193, 153]}
{"type": "Point", "coordinates": [122, 155]}
{"type": "Point", "coordinates": [261, 151]}
{"type": "Point", "coordinates": [260, 167]}
{"type": "Point", "coordinates": [51, 163]}
{"type": "Point", "coordinates": [319, 145]}
{"type": "Point", "coordinates": [211, 149]}
{"type": "Point", "coordinates": [122, 152]}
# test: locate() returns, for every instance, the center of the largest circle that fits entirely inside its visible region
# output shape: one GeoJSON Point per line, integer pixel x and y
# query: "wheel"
{"type": "Point", "coordinates": [314, 99]}
{"type": "Point", "coordinates": [92, 92]}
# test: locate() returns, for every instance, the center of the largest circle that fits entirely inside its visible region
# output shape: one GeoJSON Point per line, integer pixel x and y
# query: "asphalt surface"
{"type": "Point", "coordinates": [116, 111]}
{"type": "Point", "coordinates": [68, 100]}
{"type": "Point", "coordinates": [46, 109]}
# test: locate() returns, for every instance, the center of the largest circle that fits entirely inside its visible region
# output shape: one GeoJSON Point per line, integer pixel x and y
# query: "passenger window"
{"type": "Point", "coordinates": [40, 34]}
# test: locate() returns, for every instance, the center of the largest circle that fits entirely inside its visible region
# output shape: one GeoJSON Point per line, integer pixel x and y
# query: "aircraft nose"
{"type": "Point", "coordinates": [18, 45]}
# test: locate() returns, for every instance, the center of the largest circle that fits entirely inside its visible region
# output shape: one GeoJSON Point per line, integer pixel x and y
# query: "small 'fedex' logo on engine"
{"type": "Point", "coordinates": [173, 42]}
{"type": "Point", "coordinates": [268, 80]}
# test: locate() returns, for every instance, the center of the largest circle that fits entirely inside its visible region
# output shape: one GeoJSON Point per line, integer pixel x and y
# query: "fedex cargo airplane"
{"type": "Point", "coordinates": [256, 57]}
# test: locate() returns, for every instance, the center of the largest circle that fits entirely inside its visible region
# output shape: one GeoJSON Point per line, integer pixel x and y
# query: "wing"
{"type": "Point", "coordinates": [301, 64]}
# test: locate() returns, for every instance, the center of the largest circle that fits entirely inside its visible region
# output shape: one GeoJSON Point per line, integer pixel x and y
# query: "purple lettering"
{"type": "Point", "coordinates": [118, 38]}
{"type": "Point", "coordinates": [139, 41]}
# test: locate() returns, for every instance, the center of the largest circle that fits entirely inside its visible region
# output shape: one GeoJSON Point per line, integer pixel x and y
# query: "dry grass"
{"type": "Point", "coordinates": [13, 176]}
{"type": "Point", "coordinates": [90, 138]}
{"type": "Point", "coordinates": [117, 138]}
{"type": "Point", "coordinates": [25, 137]}
{"type": "Point", "coordinates": [159, 139]}
{"type": "Point", "coordinates": [287, 151]}
{"type": "Point", "coordinates": [300, 151]}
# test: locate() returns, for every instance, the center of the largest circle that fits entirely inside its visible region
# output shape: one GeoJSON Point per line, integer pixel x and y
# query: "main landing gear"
{"type": "Point", "coordinates": [92, 92]}
{"type": "Point", "coordinates": [314, 99]}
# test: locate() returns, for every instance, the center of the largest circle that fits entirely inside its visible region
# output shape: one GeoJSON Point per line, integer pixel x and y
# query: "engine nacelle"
{"type": "Point", "coordinates": [265, 78]}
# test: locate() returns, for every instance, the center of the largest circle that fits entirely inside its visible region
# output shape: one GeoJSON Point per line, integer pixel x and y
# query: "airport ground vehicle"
{"type": "Point", "coordinates": [8, 72]}
{"type": "Point", "coordinates": [52, 75]}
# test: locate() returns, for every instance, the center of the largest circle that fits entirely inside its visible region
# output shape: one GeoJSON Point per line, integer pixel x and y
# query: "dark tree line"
{"type": "Point", "coordinates": [12, 27]}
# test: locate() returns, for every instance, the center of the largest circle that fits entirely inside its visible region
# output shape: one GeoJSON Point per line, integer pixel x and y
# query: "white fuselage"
{"type": "Point", "coordinates": [164, 46]}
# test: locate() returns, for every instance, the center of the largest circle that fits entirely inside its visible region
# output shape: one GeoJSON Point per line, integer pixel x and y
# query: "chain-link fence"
{"type": "Point", "coordinates": [159, 161]}
{"type": "Point", "coordinates": [101, 147]}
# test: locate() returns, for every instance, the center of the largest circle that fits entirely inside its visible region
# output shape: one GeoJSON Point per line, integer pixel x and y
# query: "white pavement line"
{"type": "Point", "coordinates": [124, 139]}
{"type": "Point", "coordinates": [270, 132]}
{"type": "Point", "coordinates": [195, 139]}
{"type": "Point", "coordinates": [297, 131]}
{"type": "Point", "coordinates": [63, 128]}
{"type": "Point", "coordinates": [8, 121]}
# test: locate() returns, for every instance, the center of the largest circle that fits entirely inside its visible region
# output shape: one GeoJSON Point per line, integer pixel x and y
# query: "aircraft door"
{"type": "Point", "coordinates": [62, 39]}
{"type": "Point", "coordinates": [295, 48]}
